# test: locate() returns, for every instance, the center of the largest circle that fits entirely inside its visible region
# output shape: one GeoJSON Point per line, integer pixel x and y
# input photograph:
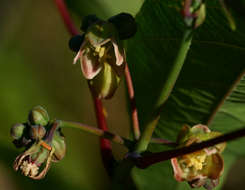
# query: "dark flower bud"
{"type": "Point", "coordinates": [88, 21]}
{"type": "Point", "coordinates": [75, 42]}
{"type": "Point", "coordinates": [37, 132]}
{"type": "Point", "coordinates": [125, 25]}
{"type": "Point", "coordinates": [17, 131]}
{"type": "Point", "coordinates": [38, 116]}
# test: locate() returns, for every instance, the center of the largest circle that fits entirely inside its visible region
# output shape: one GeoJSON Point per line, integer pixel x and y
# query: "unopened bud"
{"type": "Point", "coordinates": [125, 25]}
{"type": "Point", "coordinates": [58, 143]}
{"type": "Point", "coordinates": [75, 42]}
{"type": "Point", "coordinates": [37, 132]}
{"type": "Point", "coordinates": [38, 116]}
{"type": "Point", "coordinates": [17, 131]}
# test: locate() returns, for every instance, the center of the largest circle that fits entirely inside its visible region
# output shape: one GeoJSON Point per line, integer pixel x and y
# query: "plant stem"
{"type": "Point", "coordinates": [228, 15]}
{"type": "Point", "coordinates": [134, 112]}
{"type": "Point", "coordinates": [148, 160]}
{"type": "Point", "coordinates": [167, 88]}
{"type": "Point", "coordinates": [105, 144]}
{"type": "Point", "coordinates": [172, 76]}
{"type": "Point", "coordinates": [66, 17]}
{"type": "Point", "coordinates": [163, 142]}
{"type": "Point", "coordinates": [145, 138]}
{"type": "Point", "coordinates": [95, 131]}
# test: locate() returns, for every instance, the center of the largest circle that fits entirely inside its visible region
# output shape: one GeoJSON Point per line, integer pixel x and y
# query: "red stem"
{"type": "Point", "coordinates": [105, 145]}
{"type": "Point", "coordinates": [134, 112]}
{"type": "Point", "coordinates": [66, 17]}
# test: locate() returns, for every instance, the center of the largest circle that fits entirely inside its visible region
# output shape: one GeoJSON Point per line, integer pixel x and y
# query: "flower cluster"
{"type": "Point", "coordinates": [201, 168]}
{"type": "Point", "coordinates": [101, 52]}
{"type": "Point", "coordinates": [43, 143]}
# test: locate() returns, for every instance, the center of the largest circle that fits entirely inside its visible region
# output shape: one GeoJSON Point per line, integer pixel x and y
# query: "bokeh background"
{"type": "Point", "coordinates": [36, 69]}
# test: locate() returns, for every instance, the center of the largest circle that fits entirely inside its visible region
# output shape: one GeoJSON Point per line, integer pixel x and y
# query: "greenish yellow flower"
{"type": "Point", "coordinates": [102, 58]}
{"type": "Point", "coordinates": [201, 168]}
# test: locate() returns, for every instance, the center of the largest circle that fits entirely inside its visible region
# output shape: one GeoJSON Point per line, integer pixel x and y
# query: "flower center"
{"type": "Point", "coordinates": [195, 160]}
{"type": "Point", "coordinates": [29, 169]}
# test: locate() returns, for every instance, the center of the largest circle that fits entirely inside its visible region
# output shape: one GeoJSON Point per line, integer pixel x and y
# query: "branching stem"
{"type": "Point", "coordinates": [167, 88]}
{"type": "Point", "coordinates": [95, 131]}
{"type": "Point", "coordinates": [148, 160]}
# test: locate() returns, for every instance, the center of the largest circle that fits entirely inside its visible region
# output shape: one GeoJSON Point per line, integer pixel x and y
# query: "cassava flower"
{"type": "Point", "coordinates": [102, 58]}
{"type": "Point", "coordinates": [201, 168]}
{"type": "Point", "coordinates": [43, 144]}
{"type": "Point", "coordinates": [101, 52]}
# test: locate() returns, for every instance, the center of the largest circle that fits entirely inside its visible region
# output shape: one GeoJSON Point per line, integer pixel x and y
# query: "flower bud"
{"type": "Point", "coordinates": [75, 42]}
{"type": "Point", "coordinates": [38, 116]}
{"type": "Point", "coordinates": [59, 145]}
{"type": "Point", "coordinates": [17, 131]}
{"type": "Point", "coordinates": [194, 13]}
{"type": "Point", "coordinates": [125, 25]}
{"type": "Point", "coordinates": [37, 132]}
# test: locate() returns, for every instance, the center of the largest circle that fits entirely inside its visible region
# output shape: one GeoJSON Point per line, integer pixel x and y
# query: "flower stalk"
{"type": "Point", "coordinates": [134, 112]}
{"type": "Point", "coordinates": [104, 144]}
{"type": "Point", "coordinates": [96, 131]}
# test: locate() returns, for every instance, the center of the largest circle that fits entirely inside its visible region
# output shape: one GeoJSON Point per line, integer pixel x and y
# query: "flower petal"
{"type": "Point", "coordinates": [214, 167]}
{"type": "Point", "coordinates": [119, 54]}
{"type": "Point", "coordinates": [46, 168]}
{"type": "Point", "coordinates": [177, 170]}
{"type": "Point", "coordinates": [90, 66]}
{"type": "Point", "coordinates": [79, 53]}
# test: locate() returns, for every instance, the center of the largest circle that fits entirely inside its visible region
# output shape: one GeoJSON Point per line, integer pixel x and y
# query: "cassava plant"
{"type": "Point", "coordinates": [186, 107]}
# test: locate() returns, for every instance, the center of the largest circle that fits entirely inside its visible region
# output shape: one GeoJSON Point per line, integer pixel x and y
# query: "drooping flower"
{"type": "Point", "coordinates": [43, 144]}
{"type": "Point", "coordinates": [101, 52]}
{"type": "Point", "coordinates": [201, 168]}
{"type": "Point", "coordinates": [102, 59]}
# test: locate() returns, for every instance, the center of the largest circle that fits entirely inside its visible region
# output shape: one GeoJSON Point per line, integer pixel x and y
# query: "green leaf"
{"type": "Point", "coordinates": [214, 62]}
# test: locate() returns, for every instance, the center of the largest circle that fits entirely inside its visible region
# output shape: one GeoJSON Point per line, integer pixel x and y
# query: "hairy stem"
{"type": "Point", "coordinates": [148, 160]}
{"type": "Point", "coordinates": [134, 112]}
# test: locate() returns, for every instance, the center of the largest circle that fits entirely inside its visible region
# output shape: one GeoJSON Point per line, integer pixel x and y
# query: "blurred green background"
{"type": "Point", "coordinates": [36, 69]}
